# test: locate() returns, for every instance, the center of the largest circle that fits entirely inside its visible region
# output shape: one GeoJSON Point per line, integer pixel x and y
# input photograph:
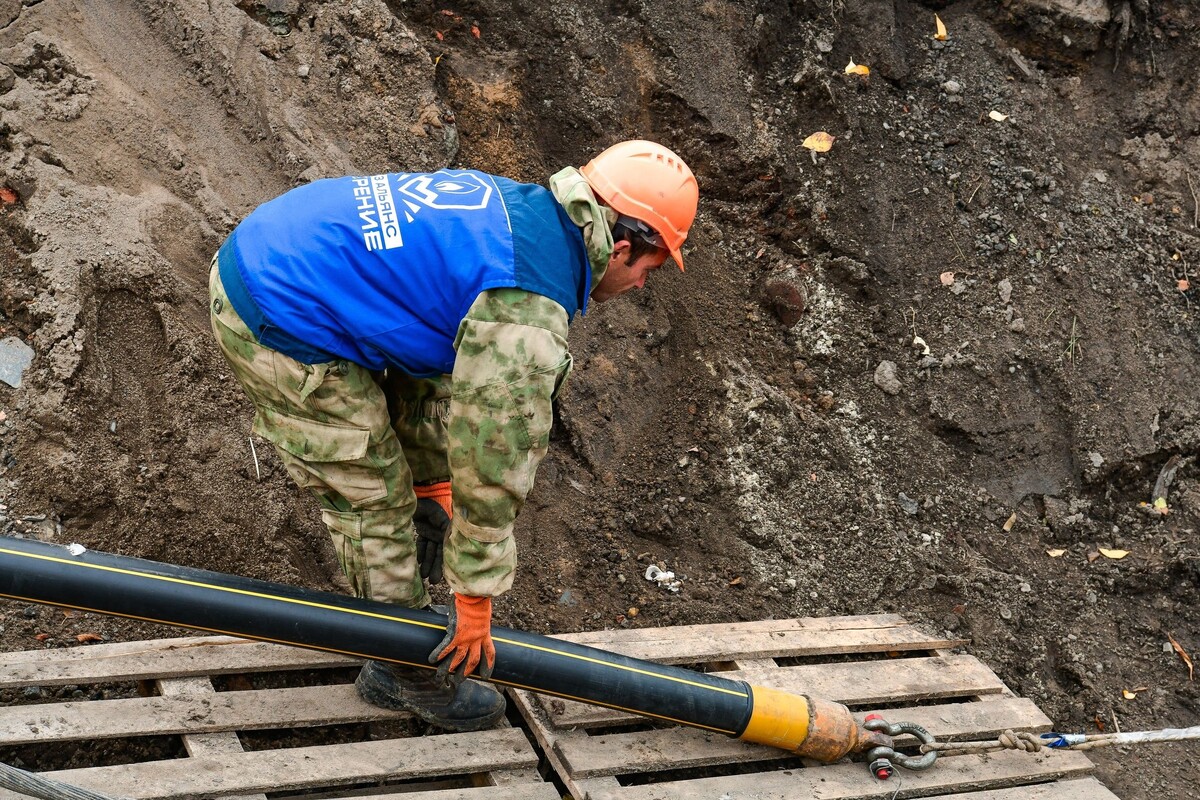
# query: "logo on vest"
{"type": "Point", "coordinates": [377, 213]}
{"type": "Point", "coordinates": [461, 191]}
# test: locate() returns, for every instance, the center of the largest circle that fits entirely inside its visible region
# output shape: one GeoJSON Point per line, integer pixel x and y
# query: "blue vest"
{"type": "Point", "coordinates": [380, 270]}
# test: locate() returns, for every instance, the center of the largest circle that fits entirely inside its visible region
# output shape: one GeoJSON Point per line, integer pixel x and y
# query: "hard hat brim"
{"type": "Point", "coordinates": [678, 257]}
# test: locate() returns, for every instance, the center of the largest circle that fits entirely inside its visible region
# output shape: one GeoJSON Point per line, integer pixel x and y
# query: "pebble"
{"type": "Point", "coordinates": [1005, 613]}
{"type": "Point", "coordinates": [303, 70]}
{"type": "Point", "coordinates": [1091, 598]}
{"type": "Point", "coordinates": [32, 693]}
{"type": "Point", "coordinates": [885, 377]}
{"type": "Point", "coordinates": [909, 505]}
{"type": "Point", "coordinates": [1025, 587]}
{"type": "Point", "coordinates": [952, 87]}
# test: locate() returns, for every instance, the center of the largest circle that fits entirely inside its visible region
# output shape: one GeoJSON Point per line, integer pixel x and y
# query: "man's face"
{"type": "Point", "coordinates": [622, 275]}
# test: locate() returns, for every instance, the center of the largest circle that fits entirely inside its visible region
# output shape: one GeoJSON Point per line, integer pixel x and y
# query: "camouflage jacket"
{"type": "Point", "coordinates": [511, 361]}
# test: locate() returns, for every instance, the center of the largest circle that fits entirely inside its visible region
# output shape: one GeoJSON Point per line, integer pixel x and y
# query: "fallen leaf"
{"type": "Point", "coordinates": [947, 278]}
{"type": "Point", "coordinates": [41, 637]}
{"type": "Point", "coordinates": [89, 637]}
{"type": "Point", "coordinates": [996, 115]}
{"type": "Point", "coordinates": [919, 344]}
{"type": "Point", "coordinates": [819, 142]}
{"type": "Point", "coordinates": [445, 12]}
{"type": "Point", "coordinates": [7, 196]}
{"type": "Point", "coordinates": [1113, 554]}
{"type": "Point", "coordinates": [1008, 524]}
{"type": "Point", "coordinates": [1183, 284]}
{"type": "Point", "coordinates": [439, 35]}
{"type": "Point", "coordinates": [736, 581]}
{"type": "Point", "coordinates": [475, 31]}
{"type": "Point", "coordinates": [1183, 654]}
{"type": "Point", "coordinates": [1129, 694]}
{"type": "Point", "coordinates": [857, 69]}
{"type": "Point", "coordinates": [959, 609]}
{"type": "Point", "coordinates": [941, 28]}
{"type": "Point", "coordinates": [1099, 722]}
{"type": "Point", "coordinates": [1055, 553]}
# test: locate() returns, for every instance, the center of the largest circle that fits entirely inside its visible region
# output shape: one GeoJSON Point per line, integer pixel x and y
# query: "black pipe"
{"type": "Point", "coordinates": [211, 601]}
{"type": "Point", "coordinates": [38, 572]}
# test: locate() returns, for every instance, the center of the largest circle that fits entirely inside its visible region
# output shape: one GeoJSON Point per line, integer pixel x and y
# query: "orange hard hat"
{"type": "Point", "coordinates": [650, 183]}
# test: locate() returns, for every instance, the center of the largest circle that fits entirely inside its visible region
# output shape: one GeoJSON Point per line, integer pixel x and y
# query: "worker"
{"type": "Point", "coordinates": [401, 337]}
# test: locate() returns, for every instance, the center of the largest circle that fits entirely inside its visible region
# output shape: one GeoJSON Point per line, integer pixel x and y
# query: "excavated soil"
{"type": "Point", "coordinates": [814, 419]}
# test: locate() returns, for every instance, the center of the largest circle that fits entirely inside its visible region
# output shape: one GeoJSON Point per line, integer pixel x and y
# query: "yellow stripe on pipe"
{"type": "Point", "coordinates": [778, 718]}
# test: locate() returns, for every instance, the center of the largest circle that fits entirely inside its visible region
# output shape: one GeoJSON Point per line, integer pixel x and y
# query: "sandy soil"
{"type": "Point", "coordinates": [815, 419]}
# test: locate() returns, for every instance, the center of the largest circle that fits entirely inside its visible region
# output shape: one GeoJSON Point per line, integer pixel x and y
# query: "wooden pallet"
{"type": "Point", "coordinates": [498, 764]}
{"type": "Point", "coordinates": [876, 662]}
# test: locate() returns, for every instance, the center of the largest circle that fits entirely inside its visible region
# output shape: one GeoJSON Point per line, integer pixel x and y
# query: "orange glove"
{"type": "Point", "coordinates": [468, 639]}
{"type": "Point", "coordinates": [432, 521]}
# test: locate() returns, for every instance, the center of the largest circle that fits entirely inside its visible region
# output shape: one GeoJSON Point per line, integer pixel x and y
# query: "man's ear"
{"type": "Point", "coordinates": [620, 247]}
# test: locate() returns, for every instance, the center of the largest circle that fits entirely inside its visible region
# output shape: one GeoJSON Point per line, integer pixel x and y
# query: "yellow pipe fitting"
{"type": "Point", "coordinates": [807, 726]}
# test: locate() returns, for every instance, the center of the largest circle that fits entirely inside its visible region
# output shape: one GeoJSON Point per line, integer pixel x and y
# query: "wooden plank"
{"type": "Point", "coordinates": [169, 658]}
{"type": "Point", "coordinates": [616, 636]}
{"type": "Point", "coordinates": [220, 711]}
{"type": "Point", "coordinates": [853, 781]}
{"type": "Point", "coordinates": [308, 767]}
{"type": "Point", "coordinates": [1085, 789]}
{"type": "Point", "coordinates": [675, 748]}
{"type": "Point", "coordinates": [784, 638]}
{"type": "Point", "coordinates": [542, 790]}
{"type": "Point", "coordinates": [852, 683]}
{"type": "Point", "coordinates": [195, 691]}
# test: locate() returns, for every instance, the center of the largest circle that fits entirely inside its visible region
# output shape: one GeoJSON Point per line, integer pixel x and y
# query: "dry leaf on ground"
{"type": "Point", "coordinates": [1008, 523]}
{"type": "Point", "coordinates": [857, 69]}
{"type": "Point", "coordinates": [1113, 554]}
{"type": "Point", "coordinates": [1183, 284]}
{"type": "Point", "coordinates": [996, 115]}
{"type": "Point", "coordinates": [1055, 553]}
{"type": "Point", "coordinates": [89, 637]}
{"type": "Point", "coordinates": [1183, 654]}
{"type": "Point", "coordinates": [941, 28]}
{"type": "Point", "coordinates": [819, 142]}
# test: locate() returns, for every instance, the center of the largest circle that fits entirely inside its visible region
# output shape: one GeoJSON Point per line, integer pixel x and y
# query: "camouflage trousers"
{"type": "Point", "coordinates": [355, 439]}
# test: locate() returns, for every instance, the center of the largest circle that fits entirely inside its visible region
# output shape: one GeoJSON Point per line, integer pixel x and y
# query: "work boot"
{"type": "Point", "coordinates": [473, 706]}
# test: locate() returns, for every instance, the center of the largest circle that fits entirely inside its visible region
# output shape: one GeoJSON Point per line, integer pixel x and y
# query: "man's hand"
{"type": "Point", "coordinates": [468, 641]}
{"type": "Point", "coordinates": [432, 521]}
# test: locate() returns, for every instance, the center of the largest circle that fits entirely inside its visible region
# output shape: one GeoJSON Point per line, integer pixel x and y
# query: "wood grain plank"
{"type": "Point", "coordinates": [1084, 789]}
{"type": "Point", "coordinates": [616, 636]}
{"type": "Point", "coordinates": [221, 711]}
{"type": "Point", "coordinates": [167, 658]}
{"type": "Point", "coordinates": [195, 691]}
{"type": "Point", "coordinates": [700, 643]}
{"type": "Point", "coordinates": [675, 748]}
{"type": "Point", "coordinates": [308, 767]}
{"type": "Point", "coordinates": [853, 781]}
{"type": "Point", "coordinates": [542, 790]}
{"type": "Point", "coordinates": [852, 683]}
